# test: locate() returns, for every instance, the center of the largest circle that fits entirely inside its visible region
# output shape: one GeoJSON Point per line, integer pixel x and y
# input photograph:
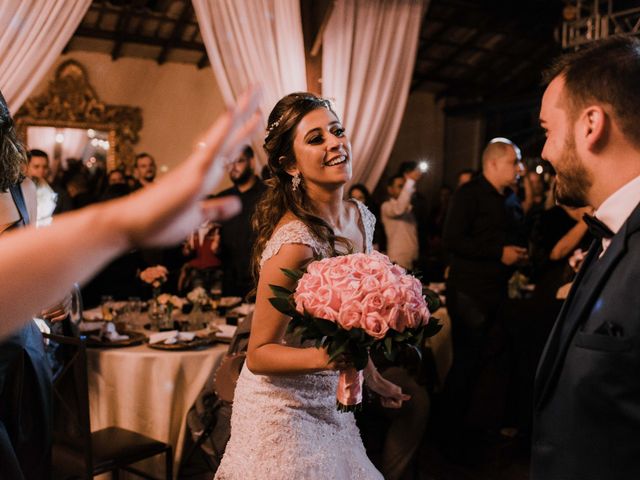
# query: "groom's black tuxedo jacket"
{"type": "Point", "coordinates": [587, 390]}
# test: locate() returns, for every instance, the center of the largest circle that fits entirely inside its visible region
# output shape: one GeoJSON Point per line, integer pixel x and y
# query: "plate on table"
{"type": "Point", "coordinates": [225, 333]}
{"type": "Point", "coordinates": [135, 338]}
{"type": "Point", "coordinates": [229, 302]}
{"type": "Point", "coordinates": [195, 344]}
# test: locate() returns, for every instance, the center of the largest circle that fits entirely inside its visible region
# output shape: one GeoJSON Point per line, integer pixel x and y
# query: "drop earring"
{"type": "Point", "coordinates": [295, 181]}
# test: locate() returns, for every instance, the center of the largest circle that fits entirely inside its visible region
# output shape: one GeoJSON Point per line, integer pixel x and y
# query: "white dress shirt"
{"type": "Point", "coordinates": [615, 210]}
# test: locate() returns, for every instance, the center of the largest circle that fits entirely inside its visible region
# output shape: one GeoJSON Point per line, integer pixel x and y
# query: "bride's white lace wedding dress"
{"type": "Point", "coordinates": [287, 426]}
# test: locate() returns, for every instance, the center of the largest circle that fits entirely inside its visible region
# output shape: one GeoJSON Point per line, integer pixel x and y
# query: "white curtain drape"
{"type": "Point", "coordinates": [32, 36]}
{"type": "Point", "coordinates": [254, 41]}
{"type": "Point", "coordinates": [368, 55]}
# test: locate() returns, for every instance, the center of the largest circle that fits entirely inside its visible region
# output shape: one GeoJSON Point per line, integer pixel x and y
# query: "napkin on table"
{"type": "Point", "coordinates": [171, 337]}
{"type": "Point", "coordinates": [110, 333]}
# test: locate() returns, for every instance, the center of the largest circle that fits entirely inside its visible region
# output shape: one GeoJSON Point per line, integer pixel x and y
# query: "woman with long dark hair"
{"type": "Point", "coordinates": [284, 422]}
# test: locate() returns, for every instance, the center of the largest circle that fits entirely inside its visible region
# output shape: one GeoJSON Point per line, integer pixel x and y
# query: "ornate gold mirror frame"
{"type": "Point", "coordinates": [71, 102]}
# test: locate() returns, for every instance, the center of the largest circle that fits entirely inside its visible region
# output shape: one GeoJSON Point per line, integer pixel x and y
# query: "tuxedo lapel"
{"type": "Point", "coordinates": [550, 353]}
{"type": "Point", "coordinates": [584, 292]}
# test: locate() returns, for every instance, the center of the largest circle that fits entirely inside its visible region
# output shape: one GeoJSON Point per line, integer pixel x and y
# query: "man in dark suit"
{"type": "Point", "coordinates": [480, 233]}
{"type": "Point", "coordinates": [587, 392]}
{"type": "Point", "coordinates": [237, 235]}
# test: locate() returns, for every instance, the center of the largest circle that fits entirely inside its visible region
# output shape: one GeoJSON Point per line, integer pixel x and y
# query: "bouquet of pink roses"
{"type": "Point", "coordinates": [352, 304]}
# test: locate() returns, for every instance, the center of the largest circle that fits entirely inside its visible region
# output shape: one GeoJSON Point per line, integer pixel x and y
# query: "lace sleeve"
{"type": "Point", "coordinates": [292, 232]}
{"type": "Point", "coordinates": [369, 223]}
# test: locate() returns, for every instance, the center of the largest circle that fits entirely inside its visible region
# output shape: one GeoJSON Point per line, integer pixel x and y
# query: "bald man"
{"type": "Point", "coordinates": [479, 233]}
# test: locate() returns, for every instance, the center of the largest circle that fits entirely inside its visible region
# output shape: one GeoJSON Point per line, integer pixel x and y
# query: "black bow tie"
{"type": "Point", "coordinates": [598, 229]}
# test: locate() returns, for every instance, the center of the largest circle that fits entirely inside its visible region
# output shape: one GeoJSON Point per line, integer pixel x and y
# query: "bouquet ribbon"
{"type": "Point", "coordinates": [349, 393]}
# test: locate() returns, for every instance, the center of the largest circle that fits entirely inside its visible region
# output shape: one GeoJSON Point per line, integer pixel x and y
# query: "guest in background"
{"type": "Point", "coordinates": [77, 181]}
{"type": "Point", "coordinates": [237, 235]}
{"type": "Point", "coordinates": [534, 202]}
{"type": "Point", "coordinates": [399, 221]}
{"type": "Point", "coordinates": [465, 176]}
{"type": "Point", "coordinates": [477, 235]}
{"type": "Point", "coordinates": [436, 254]}
{"type": "Point", "coordinates": [116, 177]}
{"type": "Point", "coordinates": [38, 167]}
{"type": "Point", "coordinates": [144, 169]}
{"type": "Point", "coordinates": [359, 192]}
{"type": "Point", "coordinates": [201, 270]}
{"type": "Point", "coordinates": [419, 205]}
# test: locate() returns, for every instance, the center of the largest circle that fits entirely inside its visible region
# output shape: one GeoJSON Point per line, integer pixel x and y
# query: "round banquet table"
{"type": "Point", "coordinates": [148, 391]}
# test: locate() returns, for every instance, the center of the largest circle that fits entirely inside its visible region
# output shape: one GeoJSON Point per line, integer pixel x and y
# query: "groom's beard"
{"type": "Point", "coordinates": [573, 181]}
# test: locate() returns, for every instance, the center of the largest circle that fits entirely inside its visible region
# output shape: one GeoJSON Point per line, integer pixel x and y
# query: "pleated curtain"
{"type": "Point", "coordinates": [368, 55]}
{"type": "Point", "coordinates": [254, 41]}
{"type": "Point", "coordinates": [33, 33]}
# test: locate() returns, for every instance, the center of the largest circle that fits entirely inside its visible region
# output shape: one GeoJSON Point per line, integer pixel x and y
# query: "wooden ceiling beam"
{"type": "Point", "coordinates": [476, 48]}
{"type": "Point", "coordinates": [315, 17]}
{"type": "Point", "coordinates": [176, 35]}
{"type": "Point", "coordinates": [204, 60]}
{"type": "Point", "coordinates": [133, 38]}
{"type": "Point", "coordinates": [121, 31]}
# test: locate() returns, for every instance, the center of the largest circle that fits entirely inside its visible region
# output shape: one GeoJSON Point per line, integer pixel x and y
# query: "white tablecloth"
{"type": "Point", "coordinates": [148, 391]}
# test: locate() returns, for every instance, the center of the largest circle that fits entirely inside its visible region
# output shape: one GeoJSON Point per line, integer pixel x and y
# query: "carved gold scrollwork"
{"type": "Point", "coordinates": [71, 102]}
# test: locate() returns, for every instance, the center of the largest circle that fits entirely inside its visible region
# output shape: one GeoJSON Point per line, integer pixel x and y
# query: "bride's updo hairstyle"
{"type": "Point", "coordinates": [12, 154]}
{"type": "Point", "coordinates": [280, 196]}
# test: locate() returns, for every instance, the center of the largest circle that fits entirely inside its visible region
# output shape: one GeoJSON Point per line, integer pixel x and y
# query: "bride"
{"type": "Point", "coordinates": [284, 423]}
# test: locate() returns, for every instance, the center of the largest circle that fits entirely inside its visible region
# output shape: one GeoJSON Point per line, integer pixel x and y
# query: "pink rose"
{"type": "Point", "coordinates": [337, 272]}
{"type": "Point", "coordinates": [397, 320]}
{"type": "Point", "coordinates": [350, 315]}
{"type": "Point", "coordinates": [391, 293]}
{"type": "Point", "coordinates": [368, 264]}
{"type": "Point", "coordinates": [329, 297]}
{"type": "Point", "coordinates": [375, 325]}
{"type": "Point", "coordinates": [370, 283]}
{"type": "Point", "coordinates": [326, 312]}
{"type": "Point", "coordinates": [309, 283]}
{"type": "Point", "coordinates": [398, 270]}
{"type": "Point", "coordinates": [316, 268]}
{"type": "Point", "coordinates": [374, 302]}
{"type": "Point", "coordinates": [303, 300]}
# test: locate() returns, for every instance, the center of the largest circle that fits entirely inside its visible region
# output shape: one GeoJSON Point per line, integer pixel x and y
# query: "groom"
{"type": "Point", "coordinates": [587, 391]}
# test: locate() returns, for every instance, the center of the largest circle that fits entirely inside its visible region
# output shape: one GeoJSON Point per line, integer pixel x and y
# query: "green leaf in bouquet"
{"type": "Point", "coordinates": [294, 275]}
{"type": "Point", "coordinates": [360, 360]}
{"type": "Point", "coordinates": [280, 292]}
{"type": "Point", "coordinates": [283, 305]}
{"type": "Point", "coordinates": [418, 337]}
{"type": "Point", "coordinates": [389, 351]}
{"type": "Point", "coordinates": [327, 327]}
{"type": "Point", "coordinates": [417, 350]}
{"type": "Point", "coordinates": [401, 337]}
{"type": "Point", "coordinates": [335, 350]}
{"type": "Point", "coordinates": [432, 299]}
{"type": "Point", "coordinates": [432, 327]}
{"type": "Point", "coordinates": [357, 334]}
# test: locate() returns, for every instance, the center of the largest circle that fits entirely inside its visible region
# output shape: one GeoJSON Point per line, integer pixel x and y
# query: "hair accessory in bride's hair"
{"type": "Point", "coordinates": [273, 125]}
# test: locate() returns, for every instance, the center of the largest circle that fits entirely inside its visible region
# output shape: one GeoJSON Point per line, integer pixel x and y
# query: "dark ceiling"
{"type": "Point", "coordinates": [469, 50]}
{"type": "Point", "coordinates": [484, 49]}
